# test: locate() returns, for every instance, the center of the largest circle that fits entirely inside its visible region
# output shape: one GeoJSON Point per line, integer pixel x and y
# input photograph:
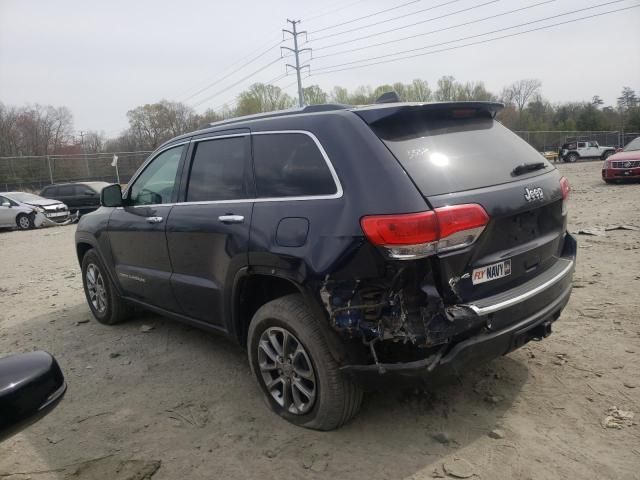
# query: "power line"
{"type": "Point", "coordinates": [390, 19]}
{"type": "Point", "coordinates": [327, 12]}
{"type": "Point", "coordinates": [425, 33]}
{"type": "Point", "coordinates": [185, 92]}
{"type": "Point", "coordinates": [272, 82]}
{"type": "Point", "coordinates": [474, 36]}
{"type": "Point", "coordinates": [206, 99]}
{"type": "Point", "coordinates": [216, 82]}
{"type": "Point", "coordinates": [332, 69]}
{"type": "Point", "coordinates": [380, 12]}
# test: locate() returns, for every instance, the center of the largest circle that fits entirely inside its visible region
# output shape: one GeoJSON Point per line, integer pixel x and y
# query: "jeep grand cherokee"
{"type": "Point", "coordinates": [341, 246]}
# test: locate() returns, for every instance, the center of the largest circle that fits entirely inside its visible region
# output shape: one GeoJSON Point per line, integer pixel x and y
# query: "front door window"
{"type": "Point", "coordinates": [157, 183]}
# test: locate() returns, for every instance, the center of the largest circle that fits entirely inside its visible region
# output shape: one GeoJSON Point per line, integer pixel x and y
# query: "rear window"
{"type": "Point", "coordinates": [290, 165]}
{"type": "Point", "coordinates": [444, 155]}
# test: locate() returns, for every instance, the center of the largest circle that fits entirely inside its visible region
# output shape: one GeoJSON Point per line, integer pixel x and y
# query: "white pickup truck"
{"type": "Point", "coordinates": [571, 152]}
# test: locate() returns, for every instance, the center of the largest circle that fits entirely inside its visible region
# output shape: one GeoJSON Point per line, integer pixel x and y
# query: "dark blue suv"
{"type": "Point", "coordinates": [342, 246]}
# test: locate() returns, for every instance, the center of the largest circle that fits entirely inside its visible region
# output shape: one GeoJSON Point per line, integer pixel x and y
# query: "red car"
{"type": "Point", "coordinates": [624, 164]}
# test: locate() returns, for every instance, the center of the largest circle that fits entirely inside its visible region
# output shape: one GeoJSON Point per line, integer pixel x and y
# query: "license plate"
{"type": "Point", "coordinates": [57, 214]}
{"type": "Point", "coordinates": [491, 272]}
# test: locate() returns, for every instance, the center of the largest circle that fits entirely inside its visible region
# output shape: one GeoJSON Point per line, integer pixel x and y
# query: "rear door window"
{"type": "Point", "coordinates": [84, 190]}
{"type": "Point", "coordinates": [66, 191]}
{"type": "Point", "coordinates": [290, 165]}
{"type": "Point", "coordinates": [447, 155]}
{"type": "Point", "coordinates": [218, 170]}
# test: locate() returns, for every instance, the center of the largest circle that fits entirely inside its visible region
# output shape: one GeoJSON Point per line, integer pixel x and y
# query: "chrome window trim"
{"type": "Point", "coordinates": [231, 135]}
{"type": "Point", "coordinates": [144, 165]}
{"type": "Point", "coordinates": [327, 160]}
{"type": "Point", "coordinates": [339, 191]}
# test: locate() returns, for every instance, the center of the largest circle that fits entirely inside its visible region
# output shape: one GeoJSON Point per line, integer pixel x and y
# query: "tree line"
{"type": "Point", "coordinates": [47, 130]}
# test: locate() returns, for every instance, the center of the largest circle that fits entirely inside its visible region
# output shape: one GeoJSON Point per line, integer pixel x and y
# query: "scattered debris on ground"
{"type": "Point", "coordinates": [618, 419]}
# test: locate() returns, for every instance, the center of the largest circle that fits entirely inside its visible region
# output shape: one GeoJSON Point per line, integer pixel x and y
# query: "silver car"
{"type": "Point", "coordinates": [26, 210]}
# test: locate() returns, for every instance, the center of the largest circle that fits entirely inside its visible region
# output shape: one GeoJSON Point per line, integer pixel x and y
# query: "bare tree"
{"type": "Point", "coordinates": [520, 92]}
{"type": "Point", "coordinates": [419, 91]}
{"type": "Point", "coordinates": [93, 142]}
{"type": "Point", "coordinates": [8, 130]}
{"type": "Point", "coordinates": [446, 89]}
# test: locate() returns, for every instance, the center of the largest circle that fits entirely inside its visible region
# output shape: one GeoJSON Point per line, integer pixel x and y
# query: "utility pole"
{"type": "Point", "coordinates": [84, 152]}
{"type": "Point", "coordinates": [296, 51]}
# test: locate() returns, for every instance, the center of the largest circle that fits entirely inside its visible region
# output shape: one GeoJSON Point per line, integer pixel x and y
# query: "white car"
{"type": "Point", "coordinates": [573, 151]}
{"type": "Point", "coordinates": [26, 210]}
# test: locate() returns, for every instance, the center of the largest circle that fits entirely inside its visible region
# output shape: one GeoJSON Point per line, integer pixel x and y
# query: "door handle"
{"type": "Point", "coordinates": [154, 219]}
{"type": "Point", "coordinates": [231, 218]}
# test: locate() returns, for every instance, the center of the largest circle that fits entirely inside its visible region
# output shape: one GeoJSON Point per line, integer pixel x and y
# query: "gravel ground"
{"type": "Point", "coordinates": [173, 402]}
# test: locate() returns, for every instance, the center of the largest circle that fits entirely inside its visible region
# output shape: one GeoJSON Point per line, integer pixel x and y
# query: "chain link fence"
{"type": "Point", "coordinates": [33, 173]}
{"type": "Point", "coordinates": [545, 141]}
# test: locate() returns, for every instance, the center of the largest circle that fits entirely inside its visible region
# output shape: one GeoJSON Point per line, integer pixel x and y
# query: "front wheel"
{"type": "Point", "coordinates": [24, 221]}
{"type": "Point", "coordinates": [102, 297]}
{"type": "Point", "coordinates": [291, 361]}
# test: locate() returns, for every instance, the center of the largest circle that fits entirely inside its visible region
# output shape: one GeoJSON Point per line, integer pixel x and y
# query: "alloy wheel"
{"type": "Point", "coordinates": [287, 370]}
{"type": "Point", "coordinates": [24, 222]}
{"type": "Point", "coordinates": [96, 288]}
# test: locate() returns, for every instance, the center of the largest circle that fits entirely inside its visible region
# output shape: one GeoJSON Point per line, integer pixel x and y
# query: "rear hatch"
{"type": "Point", "coordinates": [457, 153]}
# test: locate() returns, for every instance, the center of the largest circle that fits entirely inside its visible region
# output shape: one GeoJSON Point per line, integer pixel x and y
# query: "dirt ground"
{"type": "Point", "coordinates": [176, 403]}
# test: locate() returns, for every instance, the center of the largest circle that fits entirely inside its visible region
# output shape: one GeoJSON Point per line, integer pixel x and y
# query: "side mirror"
{"type": "Point", "coordinates": [31, 385]}
{"type": "Point", "coordinates": [6, 204]}
{"type": "Point", "coordinates": [111, 196]}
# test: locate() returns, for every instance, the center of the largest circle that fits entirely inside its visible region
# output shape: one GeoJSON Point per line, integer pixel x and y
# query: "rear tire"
{"type": "Point", "coordinates": [572, 158]}
{"type": "Point", "coordinates": [332, 400]}
{"type": "Point", "coordinates": [103, 299]}
{"type": "Point", "coordinates": [24, 221]}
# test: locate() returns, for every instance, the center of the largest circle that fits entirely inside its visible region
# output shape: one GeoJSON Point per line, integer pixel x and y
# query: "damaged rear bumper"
{"type": "Point", "coordinates": [475, 350]}
{"type": "Point", "coordinates": [534, 307]}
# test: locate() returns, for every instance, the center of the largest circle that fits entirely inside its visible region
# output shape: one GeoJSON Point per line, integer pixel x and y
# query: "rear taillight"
{"type": "Point", "coordinates": [417, 235]}
{"type": "Point", "coordinates": [566, 189]}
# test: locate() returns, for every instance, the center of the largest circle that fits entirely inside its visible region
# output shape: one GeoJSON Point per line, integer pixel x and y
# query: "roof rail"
{"type": "Point", "coordinates": [325, 107]}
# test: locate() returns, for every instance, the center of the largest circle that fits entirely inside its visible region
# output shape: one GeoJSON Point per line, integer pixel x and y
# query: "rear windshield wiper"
{"type": "Point", "coordinates": [528, 167]}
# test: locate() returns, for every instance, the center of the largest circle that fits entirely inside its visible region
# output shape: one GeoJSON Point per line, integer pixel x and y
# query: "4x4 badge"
{"type": "Point", "coordinates": [533, 194]}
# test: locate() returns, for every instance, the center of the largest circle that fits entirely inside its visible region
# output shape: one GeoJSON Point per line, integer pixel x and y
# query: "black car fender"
{"type": "Point", "coordinates": [236, 325]}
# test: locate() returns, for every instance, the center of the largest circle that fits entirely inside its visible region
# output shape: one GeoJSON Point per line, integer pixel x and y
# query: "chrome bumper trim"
{"type": "Point", "coordinates": [520, 298]}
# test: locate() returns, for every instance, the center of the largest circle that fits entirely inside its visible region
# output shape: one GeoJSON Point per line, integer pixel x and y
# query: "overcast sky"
{"type": "Point", "coordinates": [103, 58]}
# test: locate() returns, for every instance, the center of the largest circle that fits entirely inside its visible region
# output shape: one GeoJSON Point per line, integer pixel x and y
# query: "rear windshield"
{"type": "Point", "coordinates": [444, 155]}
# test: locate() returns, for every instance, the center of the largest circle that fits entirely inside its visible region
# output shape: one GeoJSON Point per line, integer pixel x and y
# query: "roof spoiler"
{"type": "Point", "coordinates": [375, 113]}
{"type": "Point", "coordinates": [388, 97]}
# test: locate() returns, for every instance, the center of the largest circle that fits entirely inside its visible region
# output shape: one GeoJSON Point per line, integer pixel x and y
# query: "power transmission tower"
{"type": "Point", "coordinates": [296, 51]}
